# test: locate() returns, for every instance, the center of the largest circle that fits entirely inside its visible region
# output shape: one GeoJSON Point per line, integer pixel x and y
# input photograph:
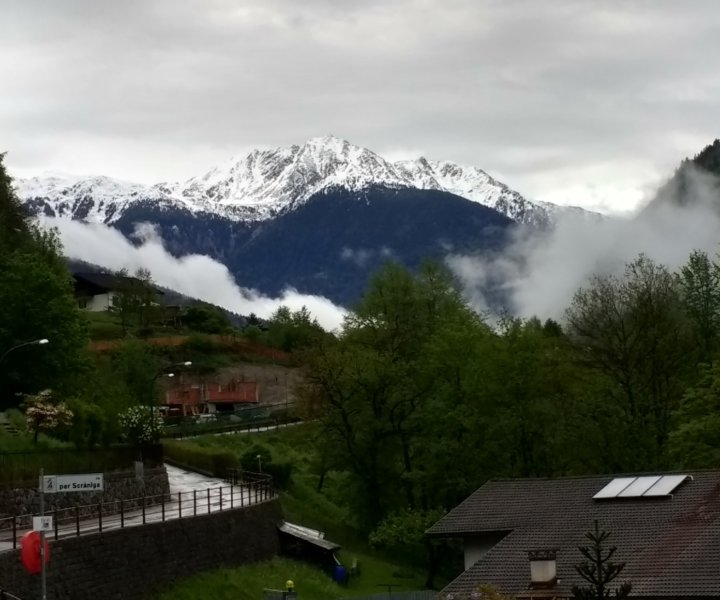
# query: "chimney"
{"type": "Point", "coordinates": [543, 568]}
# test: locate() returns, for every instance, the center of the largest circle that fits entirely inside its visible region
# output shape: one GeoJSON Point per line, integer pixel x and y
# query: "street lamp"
{"type": "Point", "coordinates": [162, 373]}
{"type": "Point", "coordinates": [40, 342]}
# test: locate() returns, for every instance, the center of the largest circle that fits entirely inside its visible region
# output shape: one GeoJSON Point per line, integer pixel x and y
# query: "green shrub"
{"type": "Point", "coordinates": [249, 459]}
{"type": "Point", "coordinates": [206, 318]}
{"type": "Point", "coordinates": [281, 474]}
{"type": "Point", "coordinates": [202, 344]}
{"type": "Point", "coordinates": [105, 331]}
{"type": "Point", "coordinates": [23, 463]}
{"type": "Point", "coordinates": [16, 418]}
{"type": "Point", "coordinates": [213, 460]}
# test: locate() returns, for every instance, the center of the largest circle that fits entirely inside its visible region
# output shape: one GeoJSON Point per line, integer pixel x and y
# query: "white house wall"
{"type": "Point", "coordinates": [100, 302]}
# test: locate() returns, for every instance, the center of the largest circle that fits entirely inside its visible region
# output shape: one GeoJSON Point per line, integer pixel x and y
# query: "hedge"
{"type": "Point", "coordinates": [216, 461]}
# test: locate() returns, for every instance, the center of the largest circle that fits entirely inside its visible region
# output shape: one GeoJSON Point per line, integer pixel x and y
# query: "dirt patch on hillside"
{"type": "Point", "coordinates": [230, 342]}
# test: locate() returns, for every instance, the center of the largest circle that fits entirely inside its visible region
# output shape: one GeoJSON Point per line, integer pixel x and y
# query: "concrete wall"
{"type": "Point", "coordinates": [134, 563]}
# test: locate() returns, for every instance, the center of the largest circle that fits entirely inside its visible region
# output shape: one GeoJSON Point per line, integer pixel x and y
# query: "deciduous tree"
{"type": "Point", "coordinates": [632, 331]}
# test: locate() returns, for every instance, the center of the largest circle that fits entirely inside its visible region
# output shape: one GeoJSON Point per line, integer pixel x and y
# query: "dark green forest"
{"type": "Point", "coordinates": [421, 400]}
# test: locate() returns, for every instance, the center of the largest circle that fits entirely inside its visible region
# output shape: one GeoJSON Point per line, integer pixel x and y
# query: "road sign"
{"type": "Point", "coordinates": [42, 523]}
{"type": "Point", "coordinates": [89, 482]}
{"type": "Point", "coordinates": [48, 484]}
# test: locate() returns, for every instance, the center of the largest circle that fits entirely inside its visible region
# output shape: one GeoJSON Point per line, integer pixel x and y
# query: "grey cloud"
{"type": "Point", "coordinates": [540, 272]}
{"type": "Point", "coordinates": [541, 93]}
{"type": "Point", "coordinates": [195, 275]}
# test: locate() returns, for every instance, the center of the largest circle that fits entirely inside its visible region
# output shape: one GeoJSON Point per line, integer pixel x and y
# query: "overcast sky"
{"type": "Point", "coordinates": [576, 102]}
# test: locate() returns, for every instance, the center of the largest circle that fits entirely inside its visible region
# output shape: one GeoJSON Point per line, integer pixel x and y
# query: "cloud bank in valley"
{"type": "Point", "coordinates": [537, 274]}
{"type": "Point", "coordinates": [194, 275]}
{"type": "Point", "coordinates": [540, 272]}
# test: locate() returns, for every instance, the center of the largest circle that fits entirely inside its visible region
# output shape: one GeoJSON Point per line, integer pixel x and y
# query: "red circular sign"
{"type": "Point", "coordinates": [30, 552]}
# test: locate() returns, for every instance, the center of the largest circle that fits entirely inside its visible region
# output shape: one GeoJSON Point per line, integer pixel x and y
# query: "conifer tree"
{"type": "Point", "coordinates": [598, 569]}
{"type": "Point", "coordinates": [14, 221]}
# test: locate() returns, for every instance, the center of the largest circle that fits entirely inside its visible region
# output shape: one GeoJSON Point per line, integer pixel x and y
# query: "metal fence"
{"type": "Point", "coordinates": [116, 514]}
{"type": "Point", "coordinates": [253, 418]}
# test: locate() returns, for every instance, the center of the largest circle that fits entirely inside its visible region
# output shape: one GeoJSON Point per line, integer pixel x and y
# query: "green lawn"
{"type": "Point", "coordinates": [248, 582]}
{"type": "Point", "coordinates": [22, 440]}
{"type": "Point", "coordinates": [304, 505]}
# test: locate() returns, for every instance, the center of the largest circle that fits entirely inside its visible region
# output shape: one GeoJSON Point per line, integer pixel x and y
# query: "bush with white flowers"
{"type": "Point", "coordinates": [141, 424]}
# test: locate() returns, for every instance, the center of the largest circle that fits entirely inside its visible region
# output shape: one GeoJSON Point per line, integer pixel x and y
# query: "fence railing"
{"type": "Point", "coordinates": [79, 520]}
{"type": "Point", "coordinates": [256, 417]}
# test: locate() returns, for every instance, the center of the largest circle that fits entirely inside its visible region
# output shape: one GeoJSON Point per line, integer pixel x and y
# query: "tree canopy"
{"type": "Point", "coordinates": [38, 303]}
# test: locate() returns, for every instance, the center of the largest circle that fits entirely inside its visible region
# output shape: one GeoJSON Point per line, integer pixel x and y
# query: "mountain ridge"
{"type": "Point", "coordinates": [266, 183]}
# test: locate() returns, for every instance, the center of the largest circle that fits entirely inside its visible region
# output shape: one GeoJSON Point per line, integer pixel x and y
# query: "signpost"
{"type": "Point", "coordinates": [54, 484]}
{"type": "Point", "coordinates": [42, 523]}
{"type": "Point", "coordinates": [90, 482]}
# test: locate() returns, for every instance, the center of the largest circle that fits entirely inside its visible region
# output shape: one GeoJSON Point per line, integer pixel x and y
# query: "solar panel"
{"type": "Point", "coordinates": [612, 489]}
{"type": "Point", "coordinates": [639, 486]}
{"type": "Point", "coordinates": [665, 486]}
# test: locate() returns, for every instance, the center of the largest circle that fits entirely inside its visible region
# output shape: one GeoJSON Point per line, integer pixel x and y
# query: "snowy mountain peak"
{"type": "Point", "coordinates": [265, 183]}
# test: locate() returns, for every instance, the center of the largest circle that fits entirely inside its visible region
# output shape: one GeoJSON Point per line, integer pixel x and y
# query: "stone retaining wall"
{"type": "Point", "coordinates": [119, 485]}
{"type": "Point", "coordinates": [137, 562]}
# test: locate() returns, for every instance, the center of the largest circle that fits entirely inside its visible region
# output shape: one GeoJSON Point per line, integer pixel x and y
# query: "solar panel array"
{"type": "Point", "coordinates": [645, 486]}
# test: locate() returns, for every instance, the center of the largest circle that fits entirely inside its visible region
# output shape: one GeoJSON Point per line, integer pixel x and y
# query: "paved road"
{"type": "Point", "coordinates": [190, 494]}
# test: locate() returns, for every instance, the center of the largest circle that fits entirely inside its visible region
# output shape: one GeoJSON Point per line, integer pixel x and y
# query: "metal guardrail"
{"type": "Point", "coordinates": [254, 417]}
{"type": "Point", "coordinates": [95, 518]}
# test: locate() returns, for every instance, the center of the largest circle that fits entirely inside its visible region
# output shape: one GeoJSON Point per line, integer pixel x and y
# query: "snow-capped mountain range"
{"type": "Point", "coordinates": [268, 183]}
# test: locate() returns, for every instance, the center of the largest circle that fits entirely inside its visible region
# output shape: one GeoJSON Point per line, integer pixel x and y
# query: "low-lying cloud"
{"type": "Point", "coordinates": [540, 272]}
{"type": "Point", "coordinates": [361, 256]}
{"type": "Point", "coordinates": [194, 275]}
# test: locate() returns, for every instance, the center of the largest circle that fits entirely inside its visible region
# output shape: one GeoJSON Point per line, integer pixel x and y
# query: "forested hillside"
{"type": "Point", "coordinates": [421, 400]}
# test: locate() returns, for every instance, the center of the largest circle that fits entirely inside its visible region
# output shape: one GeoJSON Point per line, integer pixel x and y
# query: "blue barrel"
{"type": "Point", "coordinates": [340, 574]}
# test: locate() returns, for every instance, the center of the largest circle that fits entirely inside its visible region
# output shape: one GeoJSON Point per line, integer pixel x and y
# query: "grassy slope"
{"type": "Point", "coordinates": [247, 582]}
{"type": "Point", "coordinates": [304, 505]}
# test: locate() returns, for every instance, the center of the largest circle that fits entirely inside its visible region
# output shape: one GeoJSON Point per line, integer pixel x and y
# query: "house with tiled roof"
{"type": "Point", "coordinates": [95, 291]}
{"type": "Point", "coordinates": [522, 536]}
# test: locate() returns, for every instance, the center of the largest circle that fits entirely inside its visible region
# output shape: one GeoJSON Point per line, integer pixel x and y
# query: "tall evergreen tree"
{"type": "Point", "coordinates": [14, 219]}
{"type": "Point", "coordinates": [598, 569]}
